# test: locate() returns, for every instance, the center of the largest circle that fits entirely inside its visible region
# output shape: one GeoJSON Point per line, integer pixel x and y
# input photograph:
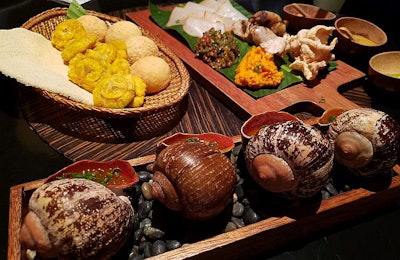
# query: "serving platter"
{"type": "Point", "coordinates": [324, 91]}
{"type": "Point", "coordinates": [272, 233]}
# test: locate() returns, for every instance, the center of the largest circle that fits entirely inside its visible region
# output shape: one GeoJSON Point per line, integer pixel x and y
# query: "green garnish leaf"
{"type": "Point", "coordinates": [88, 176]}
{"type": "Point", "coordinates": [332, 65]}
{"type": "Point", "coordinates": [75, 10]}
{"type": "Point", "coordinates": [257, 68]}
{"type": "Point", "coordinates": [331, 119]}
{"type": "Point", "coordinates": [193, 140]}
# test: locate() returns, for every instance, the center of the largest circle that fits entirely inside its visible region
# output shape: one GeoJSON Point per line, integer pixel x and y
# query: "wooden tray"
{"type": "Point", "coordinates": [272, 233]}
{"type": "Point", "coordinates": [324, 92]}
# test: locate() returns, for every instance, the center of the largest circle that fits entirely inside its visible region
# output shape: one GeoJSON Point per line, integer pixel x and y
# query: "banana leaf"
{"type": "Point", "coordinates": [75, 10]}
{"type": "Point", "coordinates": [161, 17]}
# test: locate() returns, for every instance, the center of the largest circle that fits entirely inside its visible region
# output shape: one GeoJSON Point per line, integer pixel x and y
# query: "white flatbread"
{"type": "Point", "coordinates": [31, 59]}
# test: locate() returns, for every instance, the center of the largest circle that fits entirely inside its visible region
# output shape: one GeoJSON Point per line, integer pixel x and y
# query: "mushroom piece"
{"type": "Point", "coordinates": [193, 178]}
{"type": "Point", "coordinates": [290, 158]}
{"type": "Point", "coordinates": [270, 20]}
{"type": "Point", "coordinates": [76, 219]}
{"type": "Point", "coordinates": [366, 140]}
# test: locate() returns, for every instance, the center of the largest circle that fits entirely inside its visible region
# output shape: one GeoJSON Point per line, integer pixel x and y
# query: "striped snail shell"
{"type": "Point", "coordinates": [366, 140]}
{"type": "Point", "coordinates": [193, 178]}
{"type": "Point", "coordinates": [290, 158]}
{"type": "Point", "coordinates": [76, 219]}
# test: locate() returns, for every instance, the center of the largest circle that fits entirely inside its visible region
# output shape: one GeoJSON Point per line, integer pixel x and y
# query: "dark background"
{"type": "Point", "coordinates": [25, 157]}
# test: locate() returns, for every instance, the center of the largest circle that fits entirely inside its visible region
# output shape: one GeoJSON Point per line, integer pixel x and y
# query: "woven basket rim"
{"type": "Point", "coordinates": [174, 97]}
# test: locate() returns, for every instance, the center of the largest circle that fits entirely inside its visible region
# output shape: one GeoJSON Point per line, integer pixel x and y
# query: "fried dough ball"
{"type": "Point", "coordinates": [122, 30]}
{"type": "Point", "coordinates": [94, 25]}
{"type": "Point", "coordinates": [154, 71]}
{"type": "Point", "coordinates": [140, 46]}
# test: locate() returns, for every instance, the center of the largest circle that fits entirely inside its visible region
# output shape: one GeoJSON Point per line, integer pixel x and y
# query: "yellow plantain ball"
{"type": "Point", "coordinates": [114, 91]}
{"type": "Point", "coordinates": [154, 71]}
{"type": "Point", "coordinates": [66, 32]}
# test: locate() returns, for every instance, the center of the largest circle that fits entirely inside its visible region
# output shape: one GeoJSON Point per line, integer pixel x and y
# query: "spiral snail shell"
{"type": "Point", "coordinates": [76, 219]}
{"type": "Point", "coordinates": [290, 158]}
{"type": "Point", "coordinates": [193, 178]}
{"type": "Point", "coordinates": [366, 140]}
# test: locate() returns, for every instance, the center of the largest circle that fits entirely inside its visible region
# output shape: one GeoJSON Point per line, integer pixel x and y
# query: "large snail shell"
{"type": "Point", "coordinates": [193, 178]}
{"type": "Point", "coordinates": [290, 158]}
{"type": "Point", "coordinates": [76, 219]}
{"type": "Point", "coordinates": [366, 141]}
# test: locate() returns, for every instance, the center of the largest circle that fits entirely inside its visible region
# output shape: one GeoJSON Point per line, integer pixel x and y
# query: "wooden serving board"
{"type": "Point", "coordinates": [323, 92]}
{"type": "Point", "coordinates": [272, 233]}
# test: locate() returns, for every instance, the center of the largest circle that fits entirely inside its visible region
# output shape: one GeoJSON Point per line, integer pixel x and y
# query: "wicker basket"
{"type": "Point", "coordinates": [46, 22]}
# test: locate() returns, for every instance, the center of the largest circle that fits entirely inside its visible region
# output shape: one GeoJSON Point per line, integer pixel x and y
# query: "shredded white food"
{"type": "Point", "coordinates": [197, 18]}
{"type": "Point", "coordinates": [31, 59]}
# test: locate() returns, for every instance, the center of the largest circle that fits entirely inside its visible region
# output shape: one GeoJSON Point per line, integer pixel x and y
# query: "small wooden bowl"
{"type": "Point", "coordinates": [304, 16]}
{"type": "Point", "coordinates": [224, 143]}
{"type": "Point", "coordinates": [359, 27]}
{"type": "Point", "coordinates": [330, 115]}
{"type": "Point", "coordinates": [251, 126]}
{"type": "Point", "coordinates": [384, 71]}
{"type": "Point", "coordinates": [121, 175]}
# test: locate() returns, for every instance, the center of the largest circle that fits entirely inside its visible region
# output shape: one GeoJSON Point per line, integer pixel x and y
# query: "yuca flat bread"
{"type": "Point", "coordinates": [31, 59]}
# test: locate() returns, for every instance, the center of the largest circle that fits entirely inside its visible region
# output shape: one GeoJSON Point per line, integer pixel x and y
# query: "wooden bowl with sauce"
{"type": "Point", "coordinates": [384, 71]}
{"type": "Point", "coordinates": [330, 115]}
{"type": "Point", "coordinates": [115, 174]}
{"type": "Point", "coordinates": [251, 126]}
{"type": "Point", "coordinates": [224, 143]}
{"type": "Point", "coordinates": [358, 37]}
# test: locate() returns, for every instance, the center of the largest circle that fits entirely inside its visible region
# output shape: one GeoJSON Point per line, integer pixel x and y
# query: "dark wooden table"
{"type": "Point", "coordinates": [36, 143]}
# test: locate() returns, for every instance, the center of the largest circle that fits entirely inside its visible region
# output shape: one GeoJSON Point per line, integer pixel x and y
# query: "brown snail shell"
{"type": "Point", "coordinates": [193, 178]}
{"type": "Point", "coordinates": [290, 158]}
{"type": "Point", "coordinates": [366, 140]}
{"type": "Point", "coordinates": [76, 219]}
